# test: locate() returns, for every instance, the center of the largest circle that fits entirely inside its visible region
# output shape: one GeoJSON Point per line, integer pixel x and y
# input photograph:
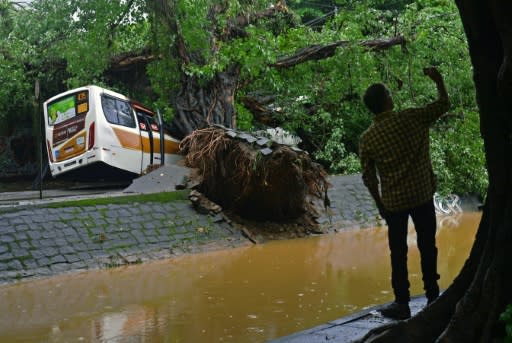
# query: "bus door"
{"type": "Point", "coordinates": [155, 132]}
{"type": "Point", "coordinates": [146, 140]}
{"type": "Point", "coordinates": [150, 138]}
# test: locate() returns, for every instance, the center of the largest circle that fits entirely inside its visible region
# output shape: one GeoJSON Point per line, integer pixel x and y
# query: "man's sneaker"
{"type": "Point", "coordinates": [396, 311]}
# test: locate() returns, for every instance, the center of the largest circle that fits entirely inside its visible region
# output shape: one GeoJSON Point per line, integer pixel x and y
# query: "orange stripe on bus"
{"type": "Point", "coordinates": [128, 140]}
{"type": "Point", "coordinates": [131, 140]}
{"type": "Point", "coordinates": [171, 147]}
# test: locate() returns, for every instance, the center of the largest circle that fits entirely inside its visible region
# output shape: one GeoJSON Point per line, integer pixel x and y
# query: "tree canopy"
{"type": "Point", "coordinates": [228, 57]}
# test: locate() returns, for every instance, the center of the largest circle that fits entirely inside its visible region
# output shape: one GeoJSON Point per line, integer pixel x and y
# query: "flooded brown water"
{"type": "Point", "coordinates": [249, 294]}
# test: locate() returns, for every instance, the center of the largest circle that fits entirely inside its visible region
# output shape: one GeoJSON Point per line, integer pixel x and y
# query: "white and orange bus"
{"type": "Point", "coordinates": [94, 131]}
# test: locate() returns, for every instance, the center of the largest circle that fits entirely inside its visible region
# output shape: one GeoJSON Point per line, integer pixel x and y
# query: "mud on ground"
{"type": "Point", "coordinates": [263, 231]}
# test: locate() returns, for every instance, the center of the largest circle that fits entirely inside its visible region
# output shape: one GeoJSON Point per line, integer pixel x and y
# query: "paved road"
{"type": "Point", "coordinates": [39, 241]}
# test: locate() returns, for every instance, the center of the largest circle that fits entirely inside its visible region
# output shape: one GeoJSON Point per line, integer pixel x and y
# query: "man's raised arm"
{"type": "Point", "coordinates": [436, 76]}
{"type": "Point", "coordinates": [431, 112]}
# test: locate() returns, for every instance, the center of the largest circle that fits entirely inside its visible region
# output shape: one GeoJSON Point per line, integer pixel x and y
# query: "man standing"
{"type": "Point", "coordinates": [396, 148]}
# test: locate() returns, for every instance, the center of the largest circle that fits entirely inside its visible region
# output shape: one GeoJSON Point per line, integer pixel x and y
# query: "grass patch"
{"type": "Point", "coordinates": [122, 200]}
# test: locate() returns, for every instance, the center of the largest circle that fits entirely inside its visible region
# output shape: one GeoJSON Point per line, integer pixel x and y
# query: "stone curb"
{"type": "Point", "coordinates": [42, 242]}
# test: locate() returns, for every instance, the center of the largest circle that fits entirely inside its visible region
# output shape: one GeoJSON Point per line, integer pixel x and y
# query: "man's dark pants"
{"type": "Point", "coordinates": [424, 219]}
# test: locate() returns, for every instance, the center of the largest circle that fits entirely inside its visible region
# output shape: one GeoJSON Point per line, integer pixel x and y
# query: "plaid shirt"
{"type": "Point", "coordinates": [397, 147]}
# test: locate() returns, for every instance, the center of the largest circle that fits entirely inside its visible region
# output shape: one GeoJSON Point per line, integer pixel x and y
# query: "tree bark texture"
{"type": "Point", "coordinates": [468, 310]}
{"type": "Point", "coordinates": [198, 107]}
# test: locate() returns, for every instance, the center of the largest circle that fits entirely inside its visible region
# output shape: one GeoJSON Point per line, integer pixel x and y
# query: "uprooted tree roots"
{"type": "Point", "coordinates": [274, 183]}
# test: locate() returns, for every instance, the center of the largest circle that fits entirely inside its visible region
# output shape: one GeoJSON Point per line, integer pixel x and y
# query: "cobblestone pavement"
{"type": "Point", "coordinates": [351, 207]}
{"type": "Point", "coordinates": [39, 241]}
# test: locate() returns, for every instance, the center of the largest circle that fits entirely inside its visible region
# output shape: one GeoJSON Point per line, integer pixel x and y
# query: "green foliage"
{"type": "Point", "coordinates": [333, 117]}
{"type": "Point", "coordinates": [70, 43]}
{"type": "Point", "coordinates": [15, 87]}
{"type": "Point", "coordinates": [253, 54]}
{"type": "Point", "coordinates": [64, 44]}
{"type": "Point", "coordinates": [164, 76]}
{"type": "Point", "coordinates": [244, 117]}
{"type": "Point", "coordinates": [188, 20]}
{"type": "Point", "coordinates": [457, 154]}
{"type": "Point", "coordinates": [194, 25]}
{"type": "Point", "coordinates": [335, 155]}
{"type": "Point", "coordinates": [129, 199]}
{"type": "Point", "coordinates": [506, 317]}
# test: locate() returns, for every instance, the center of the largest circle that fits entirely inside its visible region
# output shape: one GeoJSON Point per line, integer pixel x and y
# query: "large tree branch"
{"type": "Point", "coordinates": [315, 52]}
{"type": "Point", "coordinates": [265, 115]}
{"type": "Point", "coordinates": [126, 61]}
{"type": "Point", "coordinates": [318, 52]}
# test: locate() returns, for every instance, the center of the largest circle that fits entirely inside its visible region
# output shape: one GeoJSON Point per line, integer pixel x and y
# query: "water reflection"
{"type": "Point", "coordinates": [249, 294]}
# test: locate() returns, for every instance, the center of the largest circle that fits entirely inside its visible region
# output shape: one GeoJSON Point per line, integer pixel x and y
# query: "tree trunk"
{"type": "Point", "coordinates": [468, 310]}
{"type": "Point", "coordinates": [198, 106]}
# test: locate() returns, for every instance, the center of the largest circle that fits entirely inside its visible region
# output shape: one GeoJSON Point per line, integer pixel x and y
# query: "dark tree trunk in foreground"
{"type": "Point", "coordinates": [468, 310]}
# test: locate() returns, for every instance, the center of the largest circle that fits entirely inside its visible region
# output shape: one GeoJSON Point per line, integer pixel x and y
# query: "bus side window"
{"type": "Point", "coordinates": [125, 114]}
{"type": "Point", "coordinates": [142, 122]}
{"type": "Point", "coordinates": [117, 111]}
{"type": "Point", "coordinates": [154, 124]}
{"type": "Point", "coordinates": [109, 108]}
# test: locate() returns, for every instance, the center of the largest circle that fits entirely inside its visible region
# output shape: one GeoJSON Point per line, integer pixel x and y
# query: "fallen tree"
{"type": "Point", "coordinates": [255, 176]}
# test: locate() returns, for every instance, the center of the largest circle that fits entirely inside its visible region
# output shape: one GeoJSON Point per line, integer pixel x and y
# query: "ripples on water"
{"type": "Point", "coordinates": [249, 294]}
